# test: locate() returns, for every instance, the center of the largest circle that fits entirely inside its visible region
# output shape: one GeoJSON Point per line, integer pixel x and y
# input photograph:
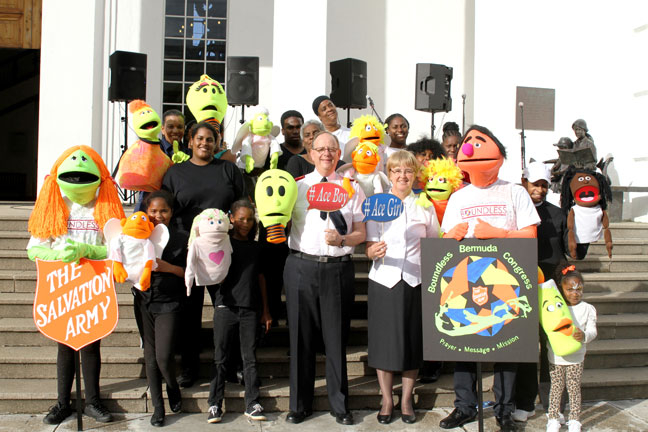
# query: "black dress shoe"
{"type": "Point", "coordinates": [384, 418]}
{"type": "Point", "coordinates": [506, 423]}
{"type": "Point", "coordinates": [296, 417]}
{"type": "Point", "coordinates": [456, 419]}
{"type": "Point", "coordinates": [344, 418]}
{"type": "Point", "coordinates": [408, 418]}
{"type": "Point", "coordinates": [186, 380]}
{"type": "Point", "coordinates": [175, 399]}
{"type": "Point", "coordinates": [157, 419]}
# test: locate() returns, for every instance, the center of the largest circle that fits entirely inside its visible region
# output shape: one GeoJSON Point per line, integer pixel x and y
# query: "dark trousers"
{"type": "Point", "coordinates": [319, 297]}
{"type": "Point", "coordinates": [190, 344]}
{"type": "Point", "coordinates": [465, 386]}
{"type": "Point", "coordinates": [273, 269]}
{"type": "Point", "coordinates": [90, 370]}
{"type": "Point", "coordinates": [159, 332]}
{"type": "Point", "coordinates": [227, 320]}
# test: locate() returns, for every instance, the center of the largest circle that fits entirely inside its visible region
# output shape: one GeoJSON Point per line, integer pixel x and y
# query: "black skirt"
{"type": "Point", "coordinates": [395, 327]}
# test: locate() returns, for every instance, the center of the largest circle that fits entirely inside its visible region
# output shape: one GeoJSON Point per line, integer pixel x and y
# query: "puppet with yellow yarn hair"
{"type": "Point", "coordinates": [440, 177]}
{"type": "Point", "coordinates": [69, 228]}
{"type": "Point", "coordinates": [365, 152]}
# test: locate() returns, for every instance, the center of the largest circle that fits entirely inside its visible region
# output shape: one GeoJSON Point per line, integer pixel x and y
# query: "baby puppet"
{"type": "Point", "coordinates": [584, 198]}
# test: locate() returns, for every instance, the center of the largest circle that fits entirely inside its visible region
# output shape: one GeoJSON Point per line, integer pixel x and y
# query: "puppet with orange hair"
{"type": "Point", "coordinates": [440, 177]}
{"type": "Point", "coordinates": [68, 227]}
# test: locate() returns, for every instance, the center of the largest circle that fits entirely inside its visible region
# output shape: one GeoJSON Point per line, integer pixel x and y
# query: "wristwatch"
{"type": "Point", "coordinates": [342, 242]}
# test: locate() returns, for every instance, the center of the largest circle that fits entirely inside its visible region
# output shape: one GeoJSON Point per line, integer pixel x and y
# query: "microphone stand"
{"type": "Point", "coordinates": [463, 113]}
{"type": "Point", "coordinates": [522, 136]}
{"type": "Point", "coordinates": [371, 104]}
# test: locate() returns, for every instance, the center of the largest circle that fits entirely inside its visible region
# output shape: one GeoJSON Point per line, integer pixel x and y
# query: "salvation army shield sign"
{"type": "Point", "coordinates": [480, 300]}
{"type": "Point", "coordinates": [75, 304]}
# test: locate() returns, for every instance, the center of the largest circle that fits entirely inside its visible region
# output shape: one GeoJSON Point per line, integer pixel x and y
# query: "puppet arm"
{"type": "Point", "coordinates": [145, 279]}
{"type": "Point", "coordinates": [571, 235]}
{"type": "Point", "coordinates": [458, 232]}
{"type": "Point", "coordinates": [189, 270]}
{"type": "Point", "coordinates": [607, 234]}
{"type": "Point", "coordinates": [249, 163]}
{"type": "Point", "coordinates": [484, 230]}
{"type": "Point", "coordinates": [178, 156]}
{"type": "Point", "coordinates": [274, 158]}
{"type": "Point", "coordinates": [423, 200]}
{"type": "Point", "coordinates": [73, 251]}
{"type": "Point", "coordinates": [346, 184]}
{"type": "Point", "coordinates": [44, 253]}
{"type": "Point", "coordinates": [275, 151]}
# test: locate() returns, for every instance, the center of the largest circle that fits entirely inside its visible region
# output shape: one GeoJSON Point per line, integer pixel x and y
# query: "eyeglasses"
{"type": "Point", "coordinates": [398, 171]}
{"type": "Point", "coordinates": [321, 150]}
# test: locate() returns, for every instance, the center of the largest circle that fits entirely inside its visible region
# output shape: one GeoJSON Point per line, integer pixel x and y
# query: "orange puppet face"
{"type": "Point", "coordinates": [365, 159]}
{"type": "Point", "coordinates": [137, 225]}
{"type": "Point", "coordinates": [480, 157]}
{"type": "Point", "coordinates": [585, 189]}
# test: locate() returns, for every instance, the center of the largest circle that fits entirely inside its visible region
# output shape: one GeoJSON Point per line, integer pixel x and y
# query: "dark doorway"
{"type": "Point", "coordinates": [19, 89]}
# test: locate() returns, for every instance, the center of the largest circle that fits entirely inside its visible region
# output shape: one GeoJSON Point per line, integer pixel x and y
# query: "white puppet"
{"type": "Point", "coordinates": [134, 244]}
{"type": "Point", "coordinates": [210, 250]}
{"type": "Point", "coordinates": [255, 140]}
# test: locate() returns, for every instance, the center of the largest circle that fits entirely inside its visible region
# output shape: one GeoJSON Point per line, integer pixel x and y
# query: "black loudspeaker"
{"type": "Point", "coordinates": [349, 83]}
{"type": "Point", "coordinates": [242, 86]}
{"type": "Point", "coordinates": [433, 87]}
{"type": "Point", "coordinates": [127, 76]}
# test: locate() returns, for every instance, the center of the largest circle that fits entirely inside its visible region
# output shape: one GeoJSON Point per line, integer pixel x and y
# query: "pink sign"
{"type": "Point", "coordinates": [326, 197]}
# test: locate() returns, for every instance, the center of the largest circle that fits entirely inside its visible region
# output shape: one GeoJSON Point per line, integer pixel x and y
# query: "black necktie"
{"type": "Point", "coordinates": [336, 217]}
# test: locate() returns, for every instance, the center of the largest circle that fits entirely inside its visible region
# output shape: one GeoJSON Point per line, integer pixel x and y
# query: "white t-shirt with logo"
{"type": "Point", "coordinates": [503, 205]}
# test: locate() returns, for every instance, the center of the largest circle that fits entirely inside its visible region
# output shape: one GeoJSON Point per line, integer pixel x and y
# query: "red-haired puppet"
{"type": "Point", "coordinates": [441, 178]}
{"type": "Point", "coordinates": [68, 228]}
{"type": "Point", "coordinates": [487, 208]}
{"type": "Point", "coordinates": [584, 198]}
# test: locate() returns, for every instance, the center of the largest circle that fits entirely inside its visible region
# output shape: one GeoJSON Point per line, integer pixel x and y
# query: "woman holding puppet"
{"type": "Point", "coordinates": [394, 297]}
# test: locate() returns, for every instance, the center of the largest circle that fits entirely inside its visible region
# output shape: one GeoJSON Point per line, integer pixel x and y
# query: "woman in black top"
{"type": "Point", "coordinates": [200, 183]}
{"type": "Point", "coordinates": [157, 310]}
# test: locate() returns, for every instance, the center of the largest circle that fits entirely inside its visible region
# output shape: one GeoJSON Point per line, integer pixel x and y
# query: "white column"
{"type": "Point", "coordinates": [70, 111]}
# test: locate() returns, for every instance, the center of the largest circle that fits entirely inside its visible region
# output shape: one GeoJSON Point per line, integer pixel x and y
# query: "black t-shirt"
{"type": "Point", "coordinates": [552, 238]}
{"type": "Point", "coordinates": [241, 286]}
{"type": "Point", "coordinates": [196, 188]}
{"type": "Point", "coordinates": [282, 162]}
{"type": "Point", "coordinates": [168, 290]}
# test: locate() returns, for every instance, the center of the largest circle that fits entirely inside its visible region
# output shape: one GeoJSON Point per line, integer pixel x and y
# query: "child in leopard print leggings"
{"type": "Point", "coordinates": [569, 369]}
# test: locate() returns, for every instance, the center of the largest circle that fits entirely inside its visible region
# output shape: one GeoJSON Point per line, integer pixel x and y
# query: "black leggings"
{"type": "Point", "coordinates": [90, 369]}
{"type": "Point", "coordinates": [159, 335]}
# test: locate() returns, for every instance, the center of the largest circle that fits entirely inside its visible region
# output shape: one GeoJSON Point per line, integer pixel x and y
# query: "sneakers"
{"type": "Point", "coordinates": [98, 412]}
{"type": "Point", "coordinates": [553, 425]}
{"type": "Point", "coordinates": [520, 415]}
{"type": "Point", "coordinates": [255, 412]}
{"type": "Point", "coordinates": [215, 414]}
{"type": "Point", "coordinates": [574, 426]}
{"type": "Point", "coordinates": [561, 418]}
{"type": "Point", "coordinates": [57, 414]}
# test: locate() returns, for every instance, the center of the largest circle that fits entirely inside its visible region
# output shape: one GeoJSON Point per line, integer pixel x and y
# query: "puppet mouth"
{"type": "Point", "coordinates": [372, 138]}
{"type": "Point", "coordinates": [477, 160]}
{"type": "Point", "coordinates": [78, 177]}
{"type": "Point", "coordinates": [210, 108]}
{"type": "Point", "coordinates": [150, 125]}
{"type": "Point", "coordinates": [586, 194]}
{"type": "Point", "coordinates": [435, 190]}
{"type": "Point", "coordinates": [564, 327]}
{"type": "Point", "coordinates": [275, 214]}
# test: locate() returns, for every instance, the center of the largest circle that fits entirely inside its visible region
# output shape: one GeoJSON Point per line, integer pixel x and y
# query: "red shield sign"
{"type": "Point", "coordinates": [75, 304]}
{"type": "Point", "coordinates": [326, 197]}
{"type": "Point", "coordinates": [480, 295]}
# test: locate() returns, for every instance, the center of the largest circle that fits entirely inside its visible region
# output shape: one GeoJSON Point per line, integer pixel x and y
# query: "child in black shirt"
{"type": "Point", "coordinates": [239, 302]}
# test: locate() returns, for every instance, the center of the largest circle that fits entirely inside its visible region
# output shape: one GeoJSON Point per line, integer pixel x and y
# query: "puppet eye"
{"type": "Point", "coordinates": [219, 222]}
{"type": "Point", "coordinates": [477, 145]}
{"type": "Point", "coordinates": [559, 305]}
{"type": "Point", "coordinates": [588, 178]}
{"type": "Point", "coordinates": [213, 90]}
{"type": "Point", "coordinates": [269, 191]}
{"type": "Point", "coordinates": [260, 118]}
{"type": "Point", "coordinates": [83, 158]}
{"type": "Point", "coordinates": [368, 152]}
{"type": "Point", "coordinates": [551, 308]}
{"type": "Point", "coordinates": [205, 90]}
{"type": "Point", "coordinates": [211, 222]}
{"type": "Point", "coordinates": [133, 217]}
{"type": "Point", "coordinates": [144, 218]}
{"type": "Point", "coordinates": [581, 178]}
{"type": "Point", "coordinates": [368, 128]}
{"type": "Point", "coordinates": [282, 191]}
{"type": "Point", "coordinates": [73, 157]}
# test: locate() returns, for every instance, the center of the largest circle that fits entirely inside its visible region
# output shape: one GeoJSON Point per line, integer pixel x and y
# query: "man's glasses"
{"type": "Point", "coordinates": [321, 150]}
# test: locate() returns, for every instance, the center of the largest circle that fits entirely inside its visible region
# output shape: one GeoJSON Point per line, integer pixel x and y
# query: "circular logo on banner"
{"type": "Point", "coordinates": [479, 296]}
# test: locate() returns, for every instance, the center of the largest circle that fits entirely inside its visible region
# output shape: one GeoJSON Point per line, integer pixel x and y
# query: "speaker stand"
{"type": "Point", "coordinates": [123, 193]}
{"type": "Point", "coordinates": [242, 114]}
{"type": "Point", "coordinates": [522, 137]}
{"type": "Point", "coordinates": [349, 118]}
{"type": "Point", "coordinates": [432, 127]}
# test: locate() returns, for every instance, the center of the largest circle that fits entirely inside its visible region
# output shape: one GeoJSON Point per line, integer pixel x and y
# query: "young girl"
{"type": "Point", "coordinates": [157, 310]}
{"type": "Point", "coordinates": [238, 303]}
{"type": "Point", "coordinates": [569, 369]}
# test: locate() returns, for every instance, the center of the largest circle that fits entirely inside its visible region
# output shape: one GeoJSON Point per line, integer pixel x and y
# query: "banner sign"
{"type": "Point", "coordinates": [382, 207]}
{"type": "Point", "coordinates": [480, 300]}
{"type": "Point", "coordinates": [327, 197]}
{"type": "Point", "coordinates": [75, 304]}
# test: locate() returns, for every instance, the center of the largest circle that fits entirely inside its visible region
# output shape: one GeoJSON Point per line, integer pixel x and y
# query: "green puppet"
{"type": "Point", "coordinates": [556, 320]}
{"type": "Point", "coordinates": [275, 196]}
{"type": "Point", "coordinates": [207, 101]}
{"type": "Point", "coordinates": [68, 227]}
{"type": "Point", "coordinates": [255, 140]}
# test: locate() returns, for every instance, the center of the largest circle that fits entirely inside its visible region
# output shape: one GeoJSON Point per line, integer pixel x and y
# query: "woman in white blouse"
{"type": "Point", "coordinates": [394, 297]}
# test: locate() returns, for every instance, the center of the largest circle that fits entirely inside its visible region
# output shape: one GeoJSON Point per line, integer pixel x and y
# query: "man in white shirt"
{"type": "Point", "coordinates": [319, 281]}
{"type": "Point", "coordinates": [326, 111]}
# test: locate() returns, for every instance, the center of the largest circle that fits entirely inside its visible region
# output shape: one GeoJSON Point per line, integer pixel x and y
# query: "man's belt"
{"type": "Point", "coordinates": [322, 259]}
